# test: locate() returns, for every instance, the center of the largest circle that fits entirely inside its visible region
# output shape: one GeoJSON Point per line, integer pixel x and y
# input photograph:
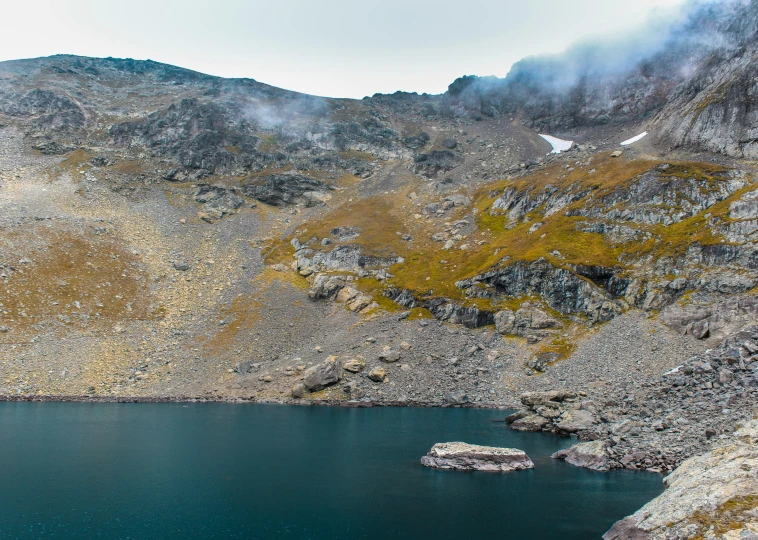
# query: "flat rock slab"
{"type": "Point", "coordinates": [472, 457]}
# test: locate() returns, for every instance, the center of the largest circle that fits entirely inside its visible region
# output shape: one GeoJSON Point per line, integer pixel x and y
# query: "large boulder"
{"type": "Point", "coordinates": [322, 375]}
{"type": "Point", "coordinates": [590, 455]}
{"type": "Point", "coordinates": [532, 422]}
{"type": "Point", "coordinates": [573, 421]}
{"type": "Point", "coordinates": [472, 457]}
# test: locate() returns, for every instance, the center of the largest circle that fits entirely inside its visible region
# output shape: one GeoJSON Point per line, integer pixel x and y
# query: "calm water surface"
{"type": "Point", "coordinates": [206, 471]}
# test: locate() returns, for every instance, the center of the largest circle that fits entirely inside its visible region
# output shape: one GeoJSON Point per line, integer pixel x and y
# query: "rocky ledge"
{"type": "Point", "coordinates": [472, 457]}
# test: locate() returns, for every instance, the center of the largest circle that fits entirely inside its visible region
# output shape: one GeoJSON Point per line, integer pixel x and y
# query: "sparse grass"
{"type": "Point", "coordinates": [66, 268]}
{"type": "Point", "coordinates": [430, 270]}
{"type": "Point", "coordinates": [357, 154]}
{"type": "Point", "coordinates": [269, 143]}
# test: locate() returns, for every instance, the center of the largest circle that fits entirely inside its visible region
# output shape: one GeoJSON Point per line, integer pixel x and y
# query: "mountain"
{"type": "Point", "coordinates": [172, 235]}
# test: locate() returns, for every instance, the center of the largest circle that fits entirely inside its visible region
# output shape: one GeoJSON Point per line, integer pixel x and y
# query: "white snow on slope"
{"type": "Point", "coordinates": [559, 145]}
{"type": "Point", "coordinates": [634, 139]}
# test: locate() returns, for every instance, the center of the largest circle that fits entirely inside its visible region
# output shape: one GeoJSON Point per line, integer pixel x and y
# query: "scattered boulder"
{"type": "Point", "coordinates": [389, 355]}
{"type": "Point", "coordinates": [458, 397]}
{"type": "Point", "coordinates": [378, 374]}
{"type": "Point", "coordinates": [472, 457]}
{"type": "Point", "coordinates": [355, 365]}
{"type": "Point", "coordinates": [322, 375]}
{"type": "Point", "coordinates": [181, 266]}
{"type": "Point", "coordinates": [298, 391]}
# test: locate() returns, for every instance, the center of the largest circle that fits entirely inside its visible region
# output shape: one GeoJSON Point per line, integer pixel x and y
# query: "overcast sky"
{"type": "Point", "coordinates": [324, 47]}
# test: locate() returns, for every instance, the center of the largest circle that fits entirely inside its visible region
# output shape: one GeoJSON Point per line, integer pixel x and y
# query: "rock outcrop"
{"type": "Point", "coordinates": [472, 457]}
{"type": "Point", "coordinates": [711, 496]}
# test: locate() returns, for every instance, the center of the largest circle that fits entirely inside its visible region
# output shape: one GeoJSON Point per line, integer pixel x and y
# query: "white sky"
{"type": "Point", "coordinates": [324, 47]}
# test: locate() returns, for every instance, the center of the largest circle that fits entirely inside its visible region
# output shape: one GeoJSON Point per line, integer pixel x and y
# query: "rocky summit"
{"type": "Point", "coordinates": [170, 235]}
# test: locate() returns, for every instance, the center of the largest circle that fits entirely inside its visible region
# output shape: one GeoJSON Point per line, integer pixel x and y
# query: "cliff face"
{"type": "Point", "coordinates": [692, 81]}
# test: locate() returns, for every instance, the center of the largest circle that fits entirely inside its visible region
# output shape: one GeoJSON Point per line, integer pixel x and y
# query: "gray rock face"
{"type": "Point", "coordinates": [524, 321]}
{"type": "Point", "coordinates": [590, 455]}
{"type": "Point", "coordinates": [560, 288]}
{"type": "Point", "coordinates": [472, 457]}
{"type": "Point", "coordinates": [716, 320]}
{"type": "Point", "coordinates": [437, 162]}
{"type": "Point", "coordinates": [321, 375]}
{"type": "Point", "coordinates": [287, 190]}
{"type": "Point", "coordinates": [219, 201]}
{"type": "Point", "coordinates": [48, 110]}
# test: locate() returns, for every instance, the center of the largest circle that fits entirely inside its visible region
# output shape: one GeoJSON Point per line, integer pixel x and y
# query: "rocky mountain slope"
{"type": "Point", "coordinates": [168, 234]}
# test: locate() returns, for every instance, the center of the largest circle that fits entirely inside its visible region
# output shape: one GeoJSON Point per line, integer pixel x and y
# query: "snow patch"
{"type": "Point", "coordinates": [634, 139]}
{"type": "Point", "coordinates": [559, 145]}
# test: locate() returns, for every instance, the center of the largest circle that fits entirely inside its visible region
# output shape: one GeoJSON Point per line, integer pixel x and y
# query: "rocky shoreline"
{"type": "Point", "coordinates": [240, 400]}
{"type": "Point", "coordinates": [658, 422]}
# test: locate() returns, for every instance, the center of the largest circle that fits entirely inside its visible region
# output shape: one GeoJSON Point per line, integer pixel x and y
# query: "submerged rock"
{"type": "Point", "coordinates": [472, 457]}
{"type": "Point", "coordinates": [590, 455]}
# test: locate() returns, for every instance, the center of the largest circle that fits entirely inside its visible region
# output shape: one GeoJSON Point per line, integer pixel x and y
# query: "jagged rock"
{"type": "Point", "coordinates": [542, 398]}
{"type": "Point", "coordinates": [471, 457]}
{"type": "Point", "coordinates": [52, 148]}
{"type": "Point", "coordinates": [322, 375]}
{"type": "Point", "coordinates": [218, 201]}
{"type": "Point", "coordinates": [432, 164]}
{"type": "Point", "coordinates": [243, 367]}
{"type": "Point", "coordinates": [288, 189]}
{"type": "Point", "coordinates": [456, 398]}
{"type": "Point", "coordinates": [560, 288]}
{"type": "Point", "coordinates": [715, 320]}
{"type": "Point", "coordinates": [182, 266]}
{"type": "Point", "coordinates": [325, 286]}
{"type": "Point", "coordinates": [590, 455]}
{"type": "Point", "coordinates": [346, 257]}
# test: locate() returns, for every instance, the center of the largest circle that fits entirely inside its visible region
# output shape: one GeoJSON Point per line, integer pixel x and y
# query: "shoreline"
{"type": "Point", "coordinates": [208, 399]}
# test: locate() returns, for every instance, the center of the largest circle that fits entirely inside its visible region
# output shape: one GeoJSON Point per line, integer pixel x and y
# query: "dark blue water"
{"type": "Point", "coordinates": [165, 471]}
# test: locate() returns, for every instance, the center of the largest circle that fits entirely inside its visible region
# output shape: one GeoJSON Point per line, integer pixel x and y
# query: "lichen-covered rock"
{"type": "Point", "coordinates": [378, 374]}
{"type": "Point", "coordinates": [472, 457]}
{"type": "Point", "coordinates": [355, 365]}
